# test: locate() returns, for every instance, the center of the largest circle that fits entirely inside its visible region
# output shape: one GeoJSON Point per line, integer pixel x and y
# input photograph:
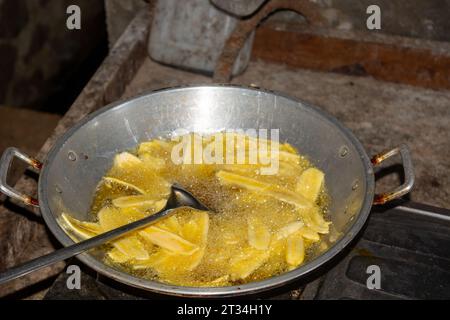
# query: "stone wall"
{"type": "Point", "coordinates": [118, 16]}
{"type": "Point", "coordinates": [421, 19]}
{"type": "Point", "coordinates": [417, 19]}
{"type": "Point", "coordinates": [39, 57]}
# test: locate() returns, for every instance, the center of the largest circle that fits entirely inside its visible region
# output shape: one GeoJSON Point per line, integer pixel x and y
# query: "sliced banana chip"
{"type": "Point", "coordinates": [289, 229]}
{"type": "Point", "coordinates": [126, 185]}
{"type": "Point", "coordinates": [258, 234]}
{"type": "Point", "coordinates": [143, 202]}
{"type": "Point", "coordinates": [313, 219]}
{"type": "Point", "coordinates": [112, 218]}
{"type": "Point", "coordinates": [170, 224]}
{"type": "Point", "coordinates": [168, 240]}
{"type": "Point", "coordinates": [310, 183]}
{"type": "Point", "coordinates": [309, 234]}
{"type": "Point", "coordinates": [154, 261]}
{"type": "Point", "coordinates": [289, 157]}
{"type": "Point", "coordinates": [154, 148]}
{"type": "Point", "coordinates": [288, 148]}
{"type": "Point", "coordinates": [135, 174]}
{"type": "Point", "coordinates": [221, 281]}
{"type": "Point", "coordinates": [118, 256]}
{"type": "Point", "coordinates": [83, 229]}
{"type": "Point", "coordinates": [153, 162]}
{"type": "Point", "coordinates": [247, 262]}
{"type": "Point", "coordinates": [169, 264]}
{"type": "Point", "coordinates": [279, 193]}
{"type": "Point", "coordinates": [131, 247]}
{"type": "Point", "coordinates": [197, 228]}
{"type": "Point", "coordinates": [295, 250]}
{"type": "Point", "coordinates": [126, 160]}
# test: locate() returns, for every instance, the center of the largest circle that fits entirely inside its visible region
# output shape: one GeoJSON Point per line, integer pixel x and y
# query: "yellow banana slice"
{"type": "Point", "coordinates": [126, 160]}
{"type": "Point", "coordinates": [295, 250]}
{"type": "Point", "coordinates": [132, 247]}
{"type": "Point", "coordinates": [192, 227]}
{"type": "Point", "coordinates": [143, 202]}
{"type": "Point", "coordinates": [152, 162]}
{"type": "Point", "coordinates": [289, 157]}
{"type": "Point", "coordinates": [168, 240]}
{"type": "Point", "coordinates": [110, 217]}
{"type": "Point", "coordinates": [118, 256]}
{"type": "Point", "coordinates": [170, 224]}
{"type": "Point", "coordinates": [310, 183]}
{"type": "Point", "coordinates": [309, 234]}
{"type": "Point", "coordinates": [289, 229]}
{"type": "Point", "coordinates": [154, 148]}
{"type": "Point", "coordinates": [154, 261]}
{"type": "Point", "coordinates": [221, 281]}
{"type": "Point", "coordinates": [128, 186]}
{"type": "Point", "coordinates": [318, 222]}
{"type": "Point", "coordinates": [313, 219]}
{"type": "Point", "coordinates": [288, 148]}
{"type": "Point", "coordinates": [279, 193]}
{"type": "Point", "coordinates": [258, 234]}
{"type": "Point", "coordinates": [132, 173]}
{"type": "Point", "coordinates": [247, 262]}
{"type": "Point", "coordinates": [196, 229]}
{"type": "Point", "coordinates": [169, 264]}
{"type": "Point", "coordinates": [83, 229]}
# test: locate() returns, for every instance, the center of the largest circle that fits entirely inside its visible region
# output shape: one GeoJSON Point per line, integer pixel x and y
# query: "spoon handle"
{"type": "Point", "coordinates": [77, 248]}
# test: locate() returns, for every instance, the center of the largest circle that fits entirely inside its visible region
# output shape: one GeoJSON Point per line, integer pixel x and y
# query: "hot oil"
{"type": "Point", "coordinates": [228, 229]}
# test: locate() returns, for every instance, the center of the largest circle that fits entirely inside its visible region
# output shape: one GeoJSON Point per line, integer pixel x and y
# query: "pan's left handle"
{"type": "Point", "coordinates": [5, 163]}
{"type": "Point", "coordinates": [407, 185]}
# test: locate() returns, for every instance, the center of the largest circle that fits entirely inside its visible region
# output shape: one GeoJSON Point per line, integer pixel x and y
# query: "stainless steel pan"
{"type": "Point", "coordinates": [79, 159]}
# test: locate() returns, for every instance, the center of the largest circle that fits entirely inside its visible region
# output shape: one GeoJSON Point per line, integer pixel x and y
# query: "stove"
{"type": "Point", "coordinates": [407, 243]}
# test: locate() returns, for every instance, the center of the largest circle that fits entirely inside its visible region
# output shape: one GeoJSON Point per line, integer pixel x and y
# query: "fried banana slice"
{"type": "Point", "coordinates": [310, 183]}
{"type": "Point", "coordinates": [279, 193]}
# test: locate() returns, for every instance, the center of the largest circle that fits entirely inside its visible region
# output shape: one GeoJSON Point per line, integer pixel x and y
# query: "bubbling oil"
{"type": "Point", "coordinates": [228, 258]}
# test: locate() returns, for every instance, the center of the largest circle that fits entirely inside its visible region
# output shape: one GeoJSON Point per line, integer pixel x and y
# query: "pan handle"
{"type": "Point", "coordinates": [406, 187]}
{"type": "Point", "coordinates": [5, 163]}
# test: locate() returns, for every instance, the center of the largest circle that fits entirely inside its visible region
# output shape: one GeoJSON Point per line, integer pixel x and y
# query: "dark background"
{"type": "Point", "coordinates": [43, 65]}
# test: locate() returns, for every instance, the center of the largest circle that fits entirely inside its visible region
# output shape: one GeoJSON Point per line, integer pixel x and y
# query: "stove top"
{"type": "Point", "coordinates": [407, 245]}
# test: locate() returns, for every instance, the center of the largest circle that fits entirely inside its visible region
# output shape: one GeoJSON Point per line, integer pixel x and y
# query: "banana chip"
{"type": "Point", "coordinates": [168, 240]}
{"type": "Point", "coordinates": [110, 181]}
{"type": "Point", "coordinates": [258, 234]}
{"type": "Point", "coordinates": [310, 183]}
{"type": "Point", "coordinates": [111, 218]}
{"type": "Point", "coordinates": [247, 262]}
{"type": "Point", "coordinates": [295, 250]}
{"type": "Point", "coordinates": [143, 202]}
{"type": "Point", "coordinates": [130, 246]}
{"type": "Point", "coordinates": [279, 193]}
{"type": "Point", "coordinates": [83, 229]}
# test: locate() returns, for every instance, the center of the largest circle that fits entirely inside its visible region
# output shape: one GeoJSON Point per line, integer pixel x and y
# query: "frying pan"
{"type": "Point", "coordinates": [80, 158]}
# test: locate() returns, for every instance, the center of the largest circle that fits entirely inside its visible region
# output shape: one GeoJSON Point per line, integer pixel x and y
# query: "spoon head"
{"type": "Point", "coordinates": [180, 197]}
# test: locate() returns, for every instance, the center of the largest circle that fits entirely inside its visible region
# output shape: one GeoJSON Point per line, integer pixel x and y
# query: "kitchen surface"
{"type": "Point", "coordinates": [380, 114]}
{"type": "Point", "coordinates": [388, 88]}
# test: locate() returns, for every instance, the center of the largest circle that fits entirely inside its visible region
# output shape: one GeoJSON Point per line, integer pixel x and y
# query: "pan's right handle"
{"type": "Point", "coordinates": [406, 187]}
{"type": "Point", "coordinates": [5, 163]}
